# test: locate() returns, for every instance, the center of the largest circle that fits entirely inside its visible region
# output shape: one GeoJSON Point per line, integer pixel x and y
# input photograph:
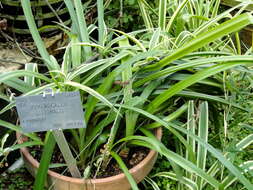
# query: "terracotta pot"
{"type": "Point", "coordinates": [117, 182]}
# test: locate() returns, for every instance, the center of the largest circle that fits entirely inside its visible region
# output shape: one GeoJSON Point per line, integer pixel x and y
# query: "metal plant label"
{"type": "Point", "coordinates": [50, 112]}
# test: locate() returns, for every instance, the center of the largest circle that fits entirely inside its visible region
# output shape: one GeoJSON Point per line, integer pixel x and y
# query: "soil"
{"type": "Point", "coordinates": [134, 157]}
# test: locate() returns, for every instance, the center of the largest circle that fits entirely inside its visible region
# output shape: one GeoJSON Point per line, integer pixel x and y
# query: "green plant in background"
{"type": "Point", "coordinates": [18, 179]}
{"type": "Point", "coordinates": [198, 122]}
{"type": "Point", "coordinates": [122, 15]}
{"type": "Point", "coordinates": [130, 84]}
{"type": "Point", "coordinates": [182, 21]}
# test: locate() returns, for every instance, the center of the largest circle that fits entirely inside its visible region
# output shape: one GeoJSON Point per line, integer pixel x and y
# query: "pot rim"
{"type": "Point", "coordinates": [133, 170]}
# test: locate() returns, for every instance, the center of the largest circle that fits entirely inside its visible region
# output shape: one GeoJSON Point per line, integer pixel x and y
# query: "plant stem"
{"type": "Point", "coordinates": [238, 43]}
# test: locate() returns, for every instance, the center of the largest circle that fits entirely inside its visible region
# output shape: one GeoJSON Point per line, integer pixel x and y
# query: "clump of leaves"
{"type": "Point", "coordinates": [16, 180]}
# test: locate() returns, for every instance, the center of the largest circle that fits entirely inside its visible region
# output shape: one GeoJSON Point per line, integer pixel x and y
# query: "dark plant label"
{"type": "Point", "coordinates": [50, 112]}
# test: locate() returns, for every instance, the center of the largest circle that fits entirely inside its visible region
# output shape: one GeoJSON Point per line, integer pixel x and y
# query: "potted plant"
{"type": "Point", "coordinates": [72, 54]}
{"type": "Point", "coordinates": [130, 99]}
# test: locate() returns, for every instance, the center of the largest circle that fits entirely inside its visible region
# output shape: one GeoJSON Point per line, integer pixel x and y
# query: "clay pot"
{"type": "Point", "coordinates": [117, 182]}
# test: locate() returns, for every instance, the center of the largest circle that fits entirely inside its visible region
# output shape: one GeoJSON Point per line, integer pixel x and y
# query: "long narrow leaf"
{"type": "Point", "coordinates": [162, 14]}
{"type": "Point", "coordinates": [203, 134]}
{"type": "Point", "coordinates": [191, 126]}
{"type": "Point", "coordinates": [82, 26]}
{"type": "Point", "coordinates": [19, 129]}
{"type": "Point", "coordinates": [41, 175]}
{"type": "Point", "coordinates": [192, 64]}
{"type": "Point", "coordinates": [26, 5]}
{"type": "Point", "coordinates": [188, 82]}
{"type": "Point", "coordinates": [125, 170]}
{"type": "Point", "coordinates": [101, 24]}
{"type": "Point", "coordinates": [20, 73]}
{"type": "Point", "coordinates": [92, 92]}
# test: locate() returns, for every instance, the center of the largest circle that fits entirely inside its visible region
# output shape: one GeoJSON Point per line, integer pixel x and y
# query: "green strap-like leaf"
{"type": "Point", "coordinates": [125, 170]}
{"type": "Point", "coordinates": [82, 27]}
{"type": "Point", "coordinates": [203, 134]}
{"type": "Point", "coordinates": [162, 14]}
{"type": "Point", "coordinates": [20, 73]}
{"type": "Point", "coordinates": [92, 92]}
{"type": "Point", "coordinates": [26, 5]}
{"type": "Point", "coordinates": [41, 175]}
{"type": "Point", "coordinates": [191, 126]}
{"type": "Point", "coordinates": [19, 129]}
{"type": "Point", "coordinates": [188, 82]}
{"type": "Point", "coordinates": [192, 64]}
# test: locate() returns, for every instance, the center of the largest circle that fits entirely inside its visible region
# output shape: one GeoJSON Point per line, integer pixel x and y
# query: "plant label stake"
{"type": "Point", "coordinates": [50, 112]}
{"type": "Point", "coordinates": [66, 152]}
{"type": "Point", "coordinates": [56, 112]}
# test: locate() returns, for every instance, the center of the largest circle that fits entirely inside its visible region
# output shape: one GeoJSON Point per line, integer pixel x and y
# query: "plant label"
{"type": "Point", "coordinates": [50, 112]}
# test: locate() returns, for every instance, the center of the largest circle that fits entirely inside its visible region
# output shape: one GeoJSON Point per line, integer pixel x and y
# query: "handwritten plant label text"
{"type": "Point", "coordinates": [50, 112]}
